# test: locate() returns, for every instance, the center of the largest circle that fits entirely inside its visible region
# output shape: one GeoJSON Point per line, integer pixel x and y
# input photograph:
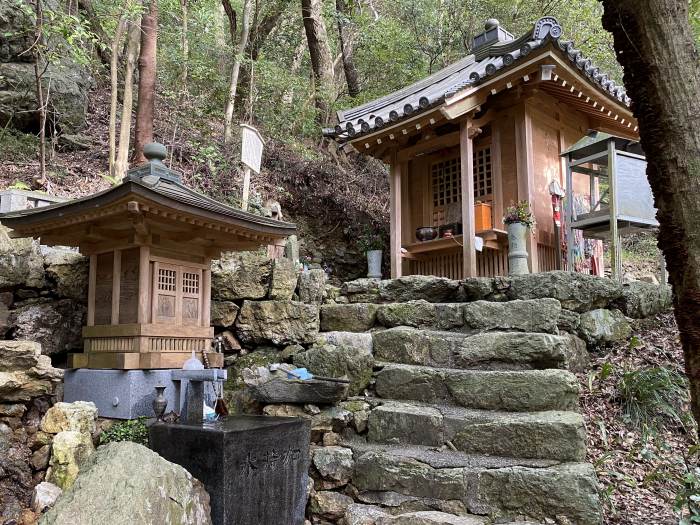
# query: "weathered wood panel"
{"type": "Point", "coordinates": [103, 288]}
{"type": "Point", "coordinates": [129, 286]}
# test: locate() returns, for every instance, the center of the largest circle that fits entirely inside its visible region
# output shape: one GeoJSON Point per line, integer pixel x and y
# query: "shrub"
{"type": "Point", "coordinates": [653, 397]}
{"type": "Point", "coordinates": [131, 430]}
{"type": "Point", "coordinates": [688, 499]}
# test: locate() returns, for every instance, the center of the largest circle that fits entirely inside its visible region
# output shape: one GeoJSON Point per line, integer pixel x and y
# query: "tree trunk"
{"type": "Point", "coordinates": [185, 46]}
{"type": "Point", "coordinates": [96, 27]}
{"type": "Point", "coordinates": [143, 133]}
{"type": "Point", "coordinates": [235, 71]}
{"type": "Point", "coordinates": [655, 45]}
{"type": "Point", "coordinates": [260, 31]}
{"type": "Point", "coordinates": [132, 51]}
{"type": "Point", "coordinates": [321, 58]}
{"type": "Point", "coordinates": [114, 77]}
{"type": "Point", "coordinates": [347, 47]}
{"type": "Point", "coordinates": [39, 69]}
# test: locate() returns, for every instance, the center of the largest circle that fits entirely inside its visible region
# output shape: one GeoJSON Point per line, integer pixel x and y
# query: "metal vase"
{"type": "Point", "coordinates": [160, 402]}
{"type": "Point", "coordinates": [517, 249]}
{"type": "Point", "coordinates": [374, 264]}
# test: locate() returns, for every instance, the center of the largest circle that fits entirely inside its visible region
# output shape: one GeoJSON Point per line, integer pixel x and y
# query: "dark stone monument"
{"type": "Point", "coordinates": [255, 468]}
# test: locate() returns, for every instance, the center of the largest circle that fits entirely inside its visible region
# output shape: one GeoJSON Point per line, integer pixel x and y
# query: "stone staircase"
{"type": "Point", "coordinates": [474, 413]}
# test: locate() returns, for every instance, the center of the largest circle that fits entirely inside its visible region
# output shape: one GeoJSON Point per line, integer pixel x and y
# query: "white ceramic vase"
{"type": "Point", "coordinates": [374, 264]}
{"type": "Point", "coordinates": [517, 249]}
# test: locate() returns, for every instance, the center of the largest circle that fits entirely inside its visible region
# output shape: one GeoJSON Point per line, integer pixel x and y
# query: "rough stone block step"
{"type": "Point", "coordinates": [557, 435]}
{"type": "Point", "coordinates": [359, 514]}
{"type": "Point", "coordinates": [503, 493]}
{"type": "Point", "coordinates": [535, 315]}
{"type": "Point", "coordinates": [513, 391]}
{"type": "Point", "coordinates": [489, 350]}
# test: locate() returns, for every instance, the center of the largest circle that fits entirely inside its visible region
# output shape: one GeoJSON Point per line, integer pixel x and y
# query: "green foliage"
{"type": "Point", "coordinates": [19, 185]}
{"type": "Point", "coordinates": [654, 397]}
{"type": "Point", "coordinates": [370, 239]}
{"type": "Point", "coordinates": [688, 498]}
{"type": "Point", "coordinates": [16, 146]}
{"type": "Point", "coordinates": [131, 430]}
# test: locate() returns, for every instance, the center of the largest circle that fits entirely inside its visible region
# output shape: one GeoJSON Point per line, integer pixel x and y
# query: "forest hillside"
{"type": "Point", "coordinates": [372, 47]}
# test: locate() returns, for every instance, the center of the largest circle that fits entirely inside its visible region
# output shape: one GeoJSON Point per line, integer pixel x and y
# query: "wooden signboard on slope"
{"type": "Point", "coordinates": [251, 156]}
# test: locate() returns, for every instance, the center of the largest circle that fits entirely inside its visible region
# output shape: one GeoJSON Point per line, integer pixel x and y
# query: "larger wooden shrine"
{"type": "Point", "coordinates": [485, 132]}
{"type": "Point", "coordinates": [150, 241]}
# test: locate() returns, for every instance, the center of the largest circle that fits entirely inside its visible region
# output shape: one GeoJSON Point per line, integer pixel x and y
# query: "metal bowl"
{"type": "Point", "coordinates": [426, 233]}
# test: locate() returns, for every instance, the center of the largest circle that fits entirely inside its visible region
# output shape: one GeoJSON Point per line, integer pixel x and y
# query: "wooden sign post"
{"type": "Point", "coordinates": [251, 157]}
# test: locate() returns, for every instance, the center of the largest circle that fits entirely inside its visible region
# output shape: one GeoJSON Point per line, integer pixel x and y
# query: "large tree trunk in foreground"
{"type": "Point", "coordinates": [347, 47]}
{"type": "Point", "coordinates": [321, 58]}
{"type": "Point", "coordinates": [655, 45]}
{"type": "Point", "coordinates": [235, 71]}
{"type": "Point", "coordinates": [143, 133]}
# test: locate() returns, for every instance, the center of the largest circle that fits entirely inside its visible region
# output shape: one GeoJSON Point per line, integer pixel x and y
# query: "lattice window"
{"type": "Point", "coordinates": [167, 280]}
{"type": "Point", "coordinates": [483, 179]}
{"type": "Point", "coordinates": [190, 283]}
{"type": "Point", "coordinates": [446, 182]}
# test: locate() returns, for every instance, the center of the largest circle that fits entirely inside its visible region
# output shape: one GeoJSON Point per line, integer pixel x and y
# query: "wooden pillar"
{"type": "Point", "coordinates": [116, 285]}
{"type": "Point", "coordinates": [615, 252]}
{"type": "Point", "coordinates": [497, 175]}
{"type": "Point", "coordinates": [144, 284]}
{"type": "Point", "coordinates": [569, 211]}
{"type": "Point", "coordinates": [206, 294]}
{"type": "Point", "coordinates": [395, 218]}
{"type": "Point", "coordinates": [92, 283]}
{"type": "Point", "coordinates": [466, 151]}
{"type": "Point", "coordinates": [526, 175]}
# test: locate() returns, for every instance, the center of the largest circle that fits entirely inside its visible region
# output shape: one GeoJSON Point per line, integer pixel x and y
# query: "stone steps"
{"type": "Point", "coordinates": [532, 315]}
{"type": "Point", "coordinates": [414, 479]}
{"type": "Point", "coordinates": [513, 391]}
{"type": "Point", "coordinates": [488, 350]}
{"type": "Point", "coordinates": [558, 435]}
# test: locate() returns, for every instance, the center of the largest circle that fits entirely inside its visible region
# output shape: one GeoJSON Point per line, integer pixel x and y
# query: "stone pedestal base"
{"type": "Point", "coordinates": [255, 468]}
{"type": "Point", "coordinates": [128, 394]}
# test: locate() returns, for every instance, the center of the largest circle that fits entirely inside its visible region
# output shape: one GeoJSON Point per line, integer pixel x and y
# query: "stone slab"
{"type": "Point", "coordinates": [121, 394]}
{"type": "Point", "coordinates": [255, 468]}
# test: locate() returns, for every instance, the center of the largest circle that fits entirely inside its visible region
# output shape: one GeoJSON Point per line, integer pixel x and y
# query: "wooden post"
{"type": "Point", "coordinates": [569, 212]}
{"type": "Point", "coordinates": [615, 262]}
{"type": "Point", "coordinates": [395, 217]}
{"type": "Point", "coordinates": [144, 284]}
{"type": "Point", "coordinates": [92, 283]}
{"type": "Point", "coordinates": [526, 175]}
{"type": "Point", "coordinates": [466, 151]}
{"type": "Point", "coordinates": [116, 285]}
{"type": "Point", "coordinates": [206, 295]}
{"type": "Point", "coordinates": [246, 188]}
{"type": "Point", "coordinates": [497, 176]}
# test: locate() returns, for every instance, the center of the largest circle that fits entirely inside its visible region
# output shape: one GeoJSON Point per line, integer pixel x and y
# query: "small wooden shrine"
{"type": "Point", "coordinates": [480, 134]}
{"type": "Point", "coordinates": [608, 174]}
{"type": "Point", "coordinates": [150, 241]}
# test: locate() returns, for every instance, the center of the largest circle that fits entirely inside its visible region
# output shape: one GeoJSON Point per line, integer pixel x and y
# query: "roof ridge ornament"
{"type": "Point", "coordinates": [153, 170]}
{"type": "Point", "coordinates": [546, 26]}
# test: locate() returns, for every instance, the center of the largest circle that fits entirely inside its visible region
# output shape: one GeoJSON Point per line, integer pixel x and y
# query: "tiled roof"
{"type": "Point", "coordinates": [486, 61]}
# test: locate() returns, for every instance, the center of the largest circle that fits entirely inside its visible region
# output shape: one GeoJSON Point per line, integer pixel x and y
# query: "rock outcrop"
{"type": "Point", "coordinates": [27, 382]}
{"type": "Point", "coordinates": [25, 373]}
{"type": "Point", "coordinates": [69, 80]}
{"type": "Point", "coordinates": [128, 483]}
{"type": "Point", "coordinates": [277, 322]}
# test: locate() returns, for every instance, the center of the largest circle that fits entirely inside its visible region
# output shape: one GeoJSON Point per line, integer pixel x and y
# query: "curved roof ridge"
{"type": "Point", "coordinates": [486, 61]}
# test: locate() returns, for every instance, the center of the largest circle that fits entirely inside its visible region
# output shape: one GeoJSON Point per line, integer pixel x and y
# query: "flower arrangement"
{"type": "Point", "coordinates": [520, 212]}
{"type": "Point", "coordinates": [370, 239]}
